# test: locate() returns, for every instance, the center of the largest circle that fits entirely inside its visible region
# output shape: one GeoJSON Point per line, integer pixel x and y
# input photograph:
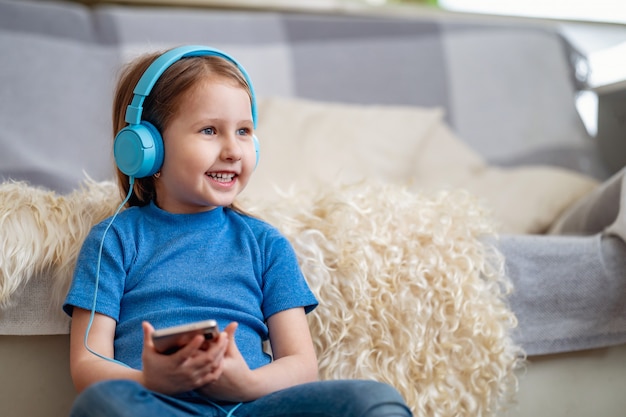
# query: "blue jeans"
{"type": "Point", "coordinates": [346, 398]}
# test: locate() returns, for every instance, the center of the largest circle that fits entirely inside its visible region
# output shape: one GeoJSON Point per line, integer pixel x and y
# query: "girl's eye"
{"type": "Point", "coordinates": [242, 132]}
{"type": "Point", "coordinates": [208, 131]}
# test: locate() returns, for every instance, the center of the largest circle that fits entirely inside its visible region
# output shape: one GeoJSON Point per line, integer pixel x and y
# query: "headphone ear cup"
{"type": "Point", "coordinates": [256, 149]}
{"type": "Point", "coordinates": [138, 150]}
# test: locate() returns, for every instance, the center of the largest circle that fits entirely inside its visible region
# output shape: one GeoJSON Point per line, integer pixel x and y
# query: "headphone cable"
{"type": "Point", "coordinates": [95, 293]}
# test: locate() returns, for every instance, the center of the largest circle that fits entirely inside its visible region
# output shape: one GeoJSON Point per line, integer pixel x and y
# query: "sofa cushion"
{"type": "Point", "coordinates": [55, 96]}
{"type": "Point", "coordinates": [603, 210]}
{"type": "Point", "coordinates": [307, 143]}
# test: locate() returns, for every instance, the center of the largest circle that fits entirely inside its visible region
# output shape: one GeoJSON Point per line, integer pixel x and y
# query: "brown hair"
{"type": "Point", "coordinates": [160, 105]}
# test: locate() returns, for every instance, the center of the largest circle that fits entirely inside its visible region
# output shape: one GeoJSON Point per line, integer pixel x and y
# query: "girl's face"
{"type": "Point", "coordinates": [208, 147]}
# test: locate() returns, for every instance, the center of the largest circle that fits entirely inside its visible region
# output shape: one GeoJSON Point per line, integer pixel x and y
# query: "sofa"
{"type": "Point", "coordinates": [425, 102]}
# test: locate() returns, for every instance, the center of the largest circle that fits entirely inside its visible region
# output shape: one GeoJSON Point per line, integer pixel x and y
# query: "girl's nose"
{"type": "Point", "coordinates": [231, 148]}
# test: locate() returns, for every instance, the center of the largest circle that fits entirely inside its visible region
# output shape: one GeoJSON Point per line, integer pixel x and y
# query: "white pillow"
{"type": "Point", "coordinates": [309, 143]}
{"type": "Point", "coordinates": [306, 143]}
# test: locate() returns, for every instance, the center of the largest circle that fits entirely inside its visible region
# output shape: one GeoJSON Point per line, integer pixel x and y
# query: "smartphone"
{"type": "Point", "coordinates": [169, 340]}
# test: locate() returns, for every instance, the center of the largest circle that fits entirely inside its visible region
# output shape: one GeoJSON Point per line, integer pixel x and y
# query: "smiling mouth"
{"type": "Point", "coordinates": [221, 176]}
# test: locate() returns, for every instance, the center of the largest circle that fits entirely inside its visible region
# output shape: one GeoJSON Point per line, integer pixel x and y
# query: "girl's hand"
{"type": "Point", "coordinates": [294, 361]}
{"type": "Point", "coordinates": [189, 368]}
{"type": "Point", "coordinates": [236, 377]}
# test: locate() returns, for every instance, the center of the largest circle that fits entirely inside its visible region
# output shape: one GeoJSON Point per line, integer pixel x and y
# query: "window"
{"type": "Point", "coordinates": [596, 11]}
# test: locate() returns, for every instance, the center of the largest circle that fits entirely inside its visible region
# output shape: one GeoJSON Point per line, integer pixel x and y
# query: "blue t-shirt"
{"type": "Point", "coordinates": [172, 269]}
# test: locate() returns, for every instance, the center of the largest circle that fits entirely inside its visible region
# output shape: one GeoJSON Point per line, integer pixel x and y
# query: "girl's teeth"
{"type": "Point", "coordinates": [222, 177]}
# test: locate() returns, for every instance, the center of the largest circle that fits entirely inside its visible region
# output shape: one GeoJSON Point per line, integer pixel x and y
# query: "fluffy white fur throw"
{"type": "Point", "coordinates": [410, 291]}
{"type": "Point", "coordinates": [41, 232]}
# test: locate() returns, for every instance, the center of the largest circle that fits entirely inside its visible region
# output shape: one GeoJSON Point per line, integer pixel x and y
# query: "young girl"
{"type": "Point", "coordinates": [183, 252]}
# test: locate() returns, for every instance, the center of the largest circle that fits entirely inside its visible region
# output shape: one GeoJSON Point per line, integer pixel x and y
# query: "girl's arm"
{"type": "Point", "coordinates": [87, 368]}
{"type": "Point", "coordinates": [187, 369]}
{"type": "Point", "coordinates": [294, 361]}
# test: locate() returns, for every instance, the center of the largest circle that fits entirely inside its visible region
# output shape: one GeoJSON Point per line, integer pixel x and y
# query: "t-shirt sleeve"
{"type": "Point", "coordinates": [284, 285]}
{"type": "Point", "coordinates": [98, 280]}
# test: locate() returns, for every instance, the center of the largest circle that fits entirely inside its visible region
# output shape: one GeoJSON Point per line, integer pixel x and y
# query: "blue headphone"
{"type": "Point", "coordinates": [138, 148]}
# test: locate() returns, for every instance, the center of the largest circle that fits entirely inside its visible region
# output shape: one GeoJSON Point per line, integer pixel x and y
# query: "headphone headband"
{"type": "Point", "coordinates": [162, 63]}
